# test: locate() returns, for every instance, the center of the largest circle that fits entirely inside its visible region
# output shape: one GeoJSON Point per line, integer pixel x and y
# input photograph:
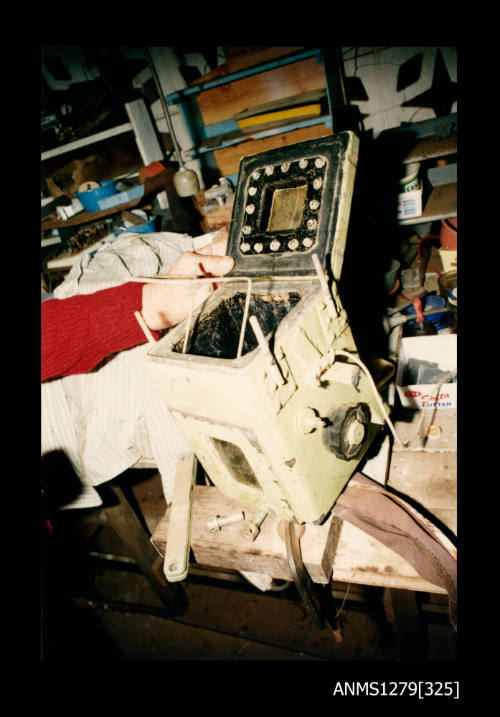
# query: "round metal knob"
{"type": "Point", "coordinates": [346, 430]}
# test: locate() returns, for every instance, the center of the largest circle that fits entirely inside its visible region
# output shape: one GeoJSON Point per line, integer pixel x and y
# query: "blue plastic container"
{"type": "Point", "coordinates": [146, 228]}
{"type": "Point", "coordinates": [431, 301]}
{"type": "Point", "coordinates": [90, 199]}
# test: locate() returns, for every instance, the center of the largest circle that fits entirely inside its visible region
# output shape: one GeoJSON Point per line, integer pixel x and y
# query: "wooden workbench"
{"type": "Point", "coordinates": [348, 555]}
{"type": "Point", "coordinates": [424, 475]}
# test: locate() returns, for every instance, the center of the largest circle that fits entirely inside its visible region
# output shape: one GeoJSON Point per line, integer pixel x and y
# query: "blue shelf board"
{"type": "Point", "coordinates": [235, 137]}
{"type": "Point", "coordinates": [220, 128]}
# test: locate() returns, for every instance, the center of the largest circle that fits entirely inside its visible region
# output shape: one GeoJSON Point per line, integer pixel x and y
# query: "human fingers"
{"type": "Point", "coordinates": [195, 264]}
{"type": "Point", "coordinates": [217, 246]}
{"type": "Point", "coordinates": [166, 304]}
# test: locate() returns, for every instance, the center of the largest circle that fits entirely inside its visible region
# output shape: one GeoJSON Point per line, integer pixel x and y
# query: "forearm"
{"type": "Point", "coordinates": [80, 331]}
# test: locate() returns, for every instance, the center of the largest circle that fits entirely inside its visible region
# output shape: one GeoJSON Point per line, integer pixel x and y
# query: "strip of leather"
{"type": "Point", "coordinates": [389, 519]}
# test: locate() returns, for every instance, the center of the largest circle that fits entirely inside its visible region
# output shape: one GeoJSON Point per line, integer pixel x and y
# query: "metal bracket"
{"type": "Point", "coordinates": [291, 533]}
{"type": "Point", "coordinates": [176, 564]}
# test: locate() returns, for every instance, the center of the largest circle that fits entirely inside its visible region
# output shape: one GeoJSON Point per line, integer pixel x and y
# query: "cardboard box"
{"type": "Point", "coordinates": [410, 204]}
{"type": "Point", "coordinates": [448, 259]}
{"type": "Point", "coordinates": [425, 350]}
{"type": "Point", "coordinates": [445, 174]}
{"type": "Point", "coordinates": [68, 211]}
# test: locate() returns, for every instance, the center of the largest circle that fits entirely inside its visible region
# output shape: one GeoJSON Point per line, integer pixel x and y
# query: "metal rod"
{"type": "Point", "coordinates": [164, 107]}
{"type": "Point", "coordinates": [188, 326]}
{"type": "Point", "coordinates": [271, 362]}
{"type": "Point", "coordinates": [245, 318]}
{"type": "Point", "coordinates": [324, 285]}
{"type": "Point", "coordinates": [144, 327]}
{"type": "Point", "coordinates": [217, 279]}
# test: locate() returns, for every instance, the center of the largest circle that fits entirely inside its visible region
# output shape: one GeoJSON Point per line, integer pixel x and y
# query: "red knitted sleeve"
{"type": "Point", "coordinates": [80, 331]}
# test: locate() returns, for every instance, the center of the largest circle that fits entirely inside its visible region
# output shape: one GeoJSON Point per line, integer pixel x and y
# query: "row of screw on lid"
{"type": "Point", "coordinates": [314, 205]}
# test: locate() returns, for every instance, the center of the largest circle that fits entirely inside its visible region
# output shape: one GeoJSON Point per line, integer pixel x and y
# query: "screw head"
{"type": "Point", "coordinates": [249, 531]}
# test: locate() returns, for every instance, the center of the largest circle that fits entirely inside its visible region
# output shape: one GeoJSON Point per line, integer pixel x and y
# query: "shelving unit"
{"type": "Point", "coordinates": [209, 109]}
{"type": "Point", "coordinates": [151, 185]}
{"type": "Point", "coordinates": [84, 141]}
{"type": "Point", "coordinates": [149, 150]}
{"type": "Point", "coordinates": [140, 123]}
{"type": "Point", "coordinates": [432, 148]}
{"type": "Point", "coordinates": [219, 143]}
{"type": "Point", "coordinates": [429, 145]}
{"type": "Point", "coordinates": [441, 204]}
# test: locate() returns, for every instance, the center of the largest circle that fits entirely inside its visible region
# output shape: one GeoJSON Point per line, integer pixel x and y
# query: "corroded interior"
{"type": "Point", "coordinates": [217, 333]}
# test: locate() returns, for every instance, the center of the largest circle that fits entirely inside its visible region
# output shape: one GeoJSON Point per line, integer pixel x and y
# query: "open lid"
{"type": "Point", "coordinates": [290, 203]}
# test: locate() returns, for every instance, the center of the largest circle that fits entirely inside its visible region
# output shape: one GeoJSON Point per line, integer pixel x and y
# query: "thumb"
{"type": "Point", "coordinates": [216, 265]}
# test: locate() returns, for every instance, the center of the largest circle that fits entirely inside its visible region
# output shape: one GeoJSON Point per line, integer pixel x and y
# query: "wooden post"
{"type": "Point", "coordinates": [403, 612]}
{"type": "Point", "coordinates": [127, 525]}
{"type": "Point", "coordinates": [145, 133]}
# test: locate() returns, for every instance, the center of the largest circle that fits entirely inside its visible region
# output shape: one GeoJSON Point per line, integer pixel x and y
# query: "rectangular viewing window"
{"type": "Point", "coordinates": [287, 208]}
{"type": "Point", "coordinates": [236, 462]}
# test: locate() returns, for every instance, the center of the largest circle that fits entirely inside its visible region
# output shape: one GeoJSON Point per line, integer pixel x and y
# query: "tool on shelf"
{"type": "Point", "coordinates": [421, 327]}
{"type": "Point", "coordinates": [185, 180]}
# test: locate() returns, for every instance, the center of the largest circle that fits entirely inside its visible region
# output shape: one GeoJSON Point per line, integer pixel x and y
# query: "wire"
{"type": "Point", "coordinates": [346, 594]}
{"type": "Point", "coordinates": [419, 248]}
{"type": "Point", "coordinates": [375, 392]}
{"type": "Point", "coordinates": [403, 444]}
{"type": "Point", "coordinates": [245, 317]}
{"type": "Point", "coordinates": [416, 113]}
{"type": "Point", "coordinates": [163, 103]}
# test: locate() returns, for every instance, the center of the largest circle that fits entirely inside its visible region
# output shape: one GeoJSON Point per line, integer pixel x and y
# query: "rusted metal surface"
{"type": "Point", "coordinates": [217, 334]}
{"type": "Point", "coordinates": [305, 587]}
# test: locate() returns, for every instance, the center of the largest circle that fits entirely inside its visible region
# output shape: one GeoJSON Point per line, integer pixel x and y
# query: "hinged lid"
{"type": "Point", "coordinates": [290, 203]}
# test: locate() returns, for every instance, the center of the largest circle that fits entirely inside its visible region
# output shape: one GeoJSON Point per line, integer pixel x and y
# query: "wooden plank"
{"type": "Point", "coordinates": [442, 203]}
{"type": "Point", "coordinates": [84, 141]}
{"type": "Point", "coordinates": [430, 479]}
{"type": "Point", "coordinates": [358, 558]}
{"type": "Point", "coordinates": [260, 131]}
{"type": "Point", "coordinates": [129, 528]}
{"type": "Point", "coordinates": [296, 113]}
{"type": "Point", "coordinates": [223, 102]}
{"type": "Point", "coordinates": [431, 147]}
{"type": "Point", "coordinates": [244, 61]}
{"type": "Point", "coordinates": [145, 134]}
{"type": "Point", "coordinates": [228, 158]}
{"type": "Point", "coordinates": [266, 554]}
{"type": "Point", "coordinates": [177, 549]}
{"type": "Point", "coordinates": [363, 560]}
{"type": "Point", "coordinates": [307, 98]}
{"type": "Point", "coordinates": [414, 426]}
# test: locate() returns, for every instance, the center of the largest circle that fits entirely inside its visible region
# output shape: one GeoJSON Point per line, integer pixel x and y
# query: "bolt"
{"type": "Point", "coordinates": [251, 528]}
{"type": "Point", "coordinates": [307, 421]}
{"type": "Point", "coordinates": [217, 522]}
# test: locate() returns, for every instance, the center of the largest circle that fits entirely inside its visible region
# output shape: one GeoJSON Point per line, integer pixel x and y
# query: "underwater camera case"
{"type": "Point", "coordinates": [252, 377]}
